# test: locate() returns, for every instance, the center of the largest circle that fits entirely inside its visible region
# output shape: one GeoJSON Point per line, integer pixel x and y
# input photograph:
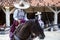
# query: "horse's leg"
{"type": "Point", "coordinates": [42, 35]}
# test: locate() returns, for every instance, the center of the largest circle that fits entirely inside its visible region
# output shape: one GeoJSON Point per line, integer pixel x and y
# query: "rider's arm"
{"type": "Point", "coordinates": [26, 17]}
{"type": "Point", "coordinates": [15, 15]}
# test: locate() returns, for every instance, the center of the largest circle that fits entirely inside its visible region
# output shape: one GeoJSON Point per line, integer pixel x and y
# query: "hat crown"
{"type": "Point", "coordinates": [21, 5]}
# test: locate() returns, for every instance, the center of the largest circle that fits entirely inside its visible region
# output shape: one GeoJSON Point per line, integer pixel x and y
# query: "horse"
{"type": "Point", "coordinates": [29, 30]}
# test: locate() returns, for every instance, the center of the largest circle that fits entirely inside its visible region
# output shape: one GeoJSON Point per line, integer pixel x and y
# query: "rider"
{"type": "Point", "coordinates": [18, 18]}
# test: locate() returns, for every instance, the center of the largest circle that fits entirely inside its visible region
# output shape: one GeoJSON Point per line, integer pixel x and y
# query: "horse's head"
{"type": "Point", "coordinates": [36, 30]}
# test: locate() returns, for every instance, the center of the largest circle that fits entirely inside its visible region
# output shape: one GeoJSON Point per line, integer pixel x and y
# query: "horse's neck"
{"type": "Point", "coordinates": [31, 19]}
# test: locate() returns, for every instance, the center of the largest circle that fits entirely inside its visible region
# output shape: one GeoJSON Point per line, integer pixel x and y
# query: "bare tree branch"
{"type": "Point", "coordinates": [3, 10]}
{"type": "Point", "coordinates": [51, 9]}
{"type": "Point", "coordinates": [58, 11]}
{"type": "Point", "coordinates": [12, 10]}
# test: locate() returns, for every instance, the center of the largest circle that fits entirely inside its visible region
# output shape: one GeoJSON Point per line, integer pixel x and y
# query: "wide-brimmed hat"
{"type": "Point", "coordinates": [25, 5]}
{"type": "Point", "coordinates": [38, 13]}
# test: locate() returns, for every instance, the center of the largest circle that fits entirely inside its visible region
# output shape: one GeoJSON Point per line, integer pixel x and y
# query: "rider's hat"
{"type": "Point", "coordinates": [22, 5]}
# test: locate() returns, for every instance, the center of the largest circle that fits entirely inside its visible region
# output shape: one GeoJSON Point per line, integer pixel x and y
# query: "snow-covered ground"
{"type": "Point", "coordinates": [49, 36]}
{"type": "Point", "coordinates": [4, 37]}
{"type": "Point", "coordinates": [52, 35]}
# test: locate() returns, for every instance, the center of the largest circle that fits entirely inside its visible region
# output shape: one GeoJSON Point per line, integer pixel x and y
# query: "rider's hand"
{"type": "Point", "coordinates": [18, 21]}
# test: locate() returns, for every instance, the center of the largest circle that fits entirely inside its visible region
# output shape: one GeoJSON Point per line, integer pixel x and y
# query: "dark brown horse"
{"type": "Point", "coordinates": [28, 31]}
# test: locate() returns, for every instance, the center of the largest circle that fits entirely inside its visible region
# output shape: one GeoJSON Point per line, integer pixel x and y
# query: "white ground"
{"type": "Point", "coordinates": [4, 37]}
{"type": "Point", "coordinates": [49, 36]}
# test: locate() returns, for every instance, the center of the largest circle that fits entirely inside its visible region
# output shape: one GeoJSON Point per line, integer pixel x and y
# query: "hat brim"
{"type": "Point", "coordinates": [26, 5]}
